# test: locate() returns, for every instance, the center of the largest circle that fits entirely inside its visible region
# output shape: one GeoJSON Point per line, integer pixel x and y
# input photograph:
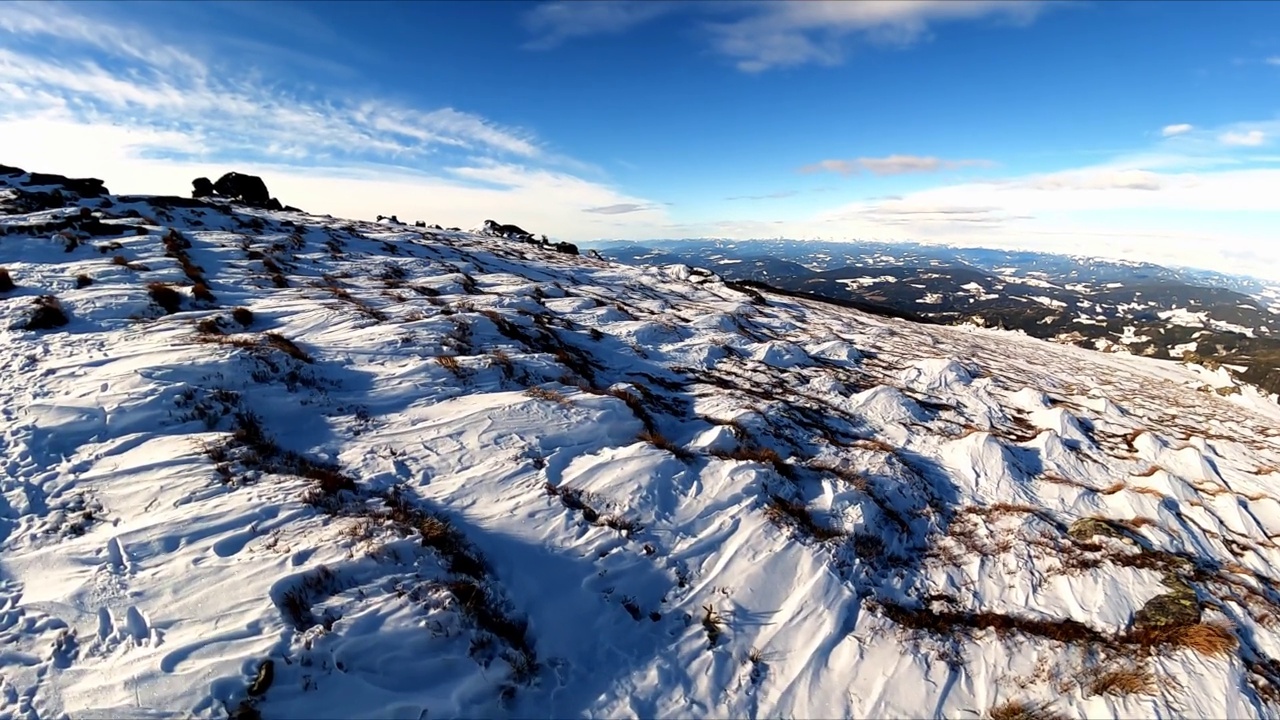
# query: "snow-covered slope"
{"type": "Point", "coordinates": [430, 474]}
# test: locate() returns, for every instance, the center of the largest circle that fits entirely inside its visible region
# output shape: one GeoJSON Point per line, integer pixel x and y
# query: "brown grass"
{"type": "Point", "coordinates": [83, 281]}
{"type": "Point", "coordinates": [758, 454]}
{"type": "Point", "coordinates": [796, 515]}
{"type": "Point", "coordinates": [548, 394]}
{"type": "Point", "coordinates": [874, 444]}
{"type": "Point", "coordinates": [48, 314]}
{"type": "Point", "coordinates": [200, 291]}
{"type": "Point", "coordinates": [1121, 681]}
{"type": "Point", "coordinates": [450, 363]}
{"type": "Point", "coordinates": [244, 316]}
{"type": "Point", "coordinates": [1024, 710]}
{"type": "Point", "coordinates": [6, 282]}
{"type": "Point", "coordinates": [660, 441]}
{"type": "Point", "coordinates": [166, 297]}
{"type": "Point", "coordinates": [287, 346]}
{"type": "Point", "coordinates": [851, 477]}
{"type": "Point", "coordinates": [1206, 638]}
{"type": "Point", "coordinates": [1148, 472]}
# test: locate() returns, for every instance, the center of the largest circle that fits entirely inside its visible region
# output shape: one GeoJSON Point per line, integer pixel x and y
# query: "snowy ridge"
{"type": "Point", "coordinates": [435, 474]}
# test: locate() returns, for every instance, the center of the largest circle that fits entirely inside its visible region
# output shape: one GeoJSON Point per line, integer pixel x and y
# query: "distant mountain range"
{"type": "Point", "coordinates": [1182, 314]}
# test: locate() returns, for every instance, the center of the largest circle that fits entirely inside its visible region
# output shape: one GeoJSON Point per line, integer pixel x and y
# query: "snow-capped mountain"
{"type": "Point", "coordinates": [266, 463]}
{"type": "Point", "coordinates": [1109, 305]}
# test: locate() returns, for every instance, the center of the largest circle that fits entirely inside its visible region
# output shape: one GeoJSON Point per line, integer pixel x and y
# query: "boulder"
{"type": "Point", "coordinates": [511, 232]}
{"type": "Point", "coordinates": [248, 189]}
{"type": "Point", "coordinates": [84, 187]}
{"type": "Point", "coordinates": [202, 187]}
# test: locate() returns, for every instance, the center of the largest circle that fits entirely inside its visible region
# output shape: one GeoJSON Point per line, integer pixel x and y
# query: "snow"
{"type": "Point", "coordinates": [148, 568]}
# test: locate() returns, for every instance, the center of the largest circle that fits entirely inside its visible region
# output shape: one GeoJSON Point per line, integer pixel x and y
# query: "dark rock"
{"type": "Point", "coordinates": [10, 171]}
{"type": "Point", "coordinates": [201, 187]}
{"type": "Point", "coordinates": [84, 187]}
{"type": "Point", "coordinates": [567, 248]}
{"type": "Point", "coordinates": [511, 232]}
{"type": "Point", "coordinates": [272, 204]}
{"type": "Point", "coordinates": [1178, 608]}
{"type": "Point", "coordinates": [248, 189]}
{"type": "Point", "coordinates": [420, 223]}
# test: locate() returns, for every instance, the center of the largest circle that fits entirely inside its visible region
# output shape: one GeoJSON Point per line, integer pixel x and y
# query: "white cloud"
{"type": "Point", "coordinates": [148, 118]}
{"type": "Point", "coordinates": [544, 200]}
{"type": "Point", "coordinates": [1217, 220]}
{"type": "Point", "coordinates": [555, 22]}
{"type": "Point", "coordinates": [1251, 138]}
{"type": "Point", "coordinates": [892, 165]}
{"type": "Point", "coordinates": [1178, 129]}
{"type": "Point", "coordinates": [766, 34]}
{"type": "Point", "coordinates": [1273, 60]}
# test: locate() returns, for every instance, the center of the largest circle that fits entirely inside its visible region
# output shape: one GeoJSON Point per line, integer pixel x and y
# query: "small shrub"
{"type": "Point", "coordinates": [712, 623]}
{"type": "Point", "coordinates": [209, 326]}
{"type": "Point", "coordinates": [662, 443]}
{"type": "Point", "coordinates": [166, 297]}
{"type": "Point", "coordinates": [789, 513]}
{"type": "Point", "coordinates": [1023, 710]}
{"type": "Point", "coordinates": [48, 314]}
{"type": "Point", "coordinates": [1207, 638]}
{"type": "Point", "coordinates": [6, 282]}
{"type": "Point", "coordinates": [83, 281]}
{"type": "Point", "coordinates": [287, 346]}
{"type": "Point", "coordinates": [1123, 681]}
{"type": "Point", "coordinates": [760, 455]}
{"type": "Point", "coordinates": [542, 393]}
{"type": "Point", "coordinates": [242, 315]}
{"type": "Point", "coordinates": [120, 260]}
{"type": "Point", "coordinates": [620, 523]}
{"type": "Point", "coordinates": [201, 292]}
{"type": "Point", "coordinates": [450, 363]}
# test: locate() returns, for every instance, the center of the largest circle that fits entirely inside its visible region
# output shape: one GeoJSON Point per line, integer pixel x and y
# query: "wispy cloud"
{"type": "Point", "coordinates": [553, 23]}
{"type": "Point", "coordinates": [1095, 179]}
{"type": "Point", "coordinates": [1273, 60]}
{"type": "Point", "coordinates": [619, 209]}
{"type": "Point", "coordinates": [892, 165]}
{"type": "Point", "coordinates": [133, 103]}
{"type": "Point", "coordinates": [1177, 129]}
{"type": "Point", "coordinates": [764, 34]}
{"type": "Point", "coordinates": [1250, 138]}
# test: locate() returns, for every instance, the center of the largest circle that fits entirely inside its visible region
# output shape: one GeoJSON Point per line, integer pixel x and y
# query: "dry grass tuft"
{"type": "Point", "coordinates": [244, 316]}
{"type": "Point", "coordinates": [48, 314]}
{"type": "Point", "coordinates": [6, 281]}
{"type": "Point", "coordinates": [1122, 681]}
{"type": "Point", "coordinates": [166, 297]}
{"type": "Point", "coordinates": [789, 513]}
{"type": "Point", "coordinates": [548, 394]}
{"type": "Point", "coordinates": [1024, 710]}
{"type": "Point", "coordinates": [761, 455]}
{"type": "Point", "coordinates": [287, 346]}
{"type": "Point", "coordinates": [83, 281]}
{"type": "Point", "coordinates": [660, 441]}
{"type": "Point", "coordinates": [450, 363]}
{"type": "Point", "coordinates": [200, 291]}
{"type": "Point", "coordinates": [1210, 639]}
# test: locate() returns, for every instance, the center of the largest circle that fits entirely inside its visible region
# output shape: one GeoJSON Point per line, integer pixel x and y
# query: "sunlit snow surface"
{"type": "Point", "coordinates": [950, 465]}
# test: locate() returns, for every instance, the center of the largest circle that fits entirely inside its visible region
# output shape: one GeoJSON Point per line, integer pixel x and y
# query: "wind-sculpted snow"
{"type": "Point", "coordinates": [369, 470]}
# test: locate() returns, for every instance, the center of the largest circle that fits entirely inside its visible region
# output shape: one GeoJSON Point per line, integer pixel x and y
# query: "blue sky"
{"type": "Point", "coordinates": [1142, 129]}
